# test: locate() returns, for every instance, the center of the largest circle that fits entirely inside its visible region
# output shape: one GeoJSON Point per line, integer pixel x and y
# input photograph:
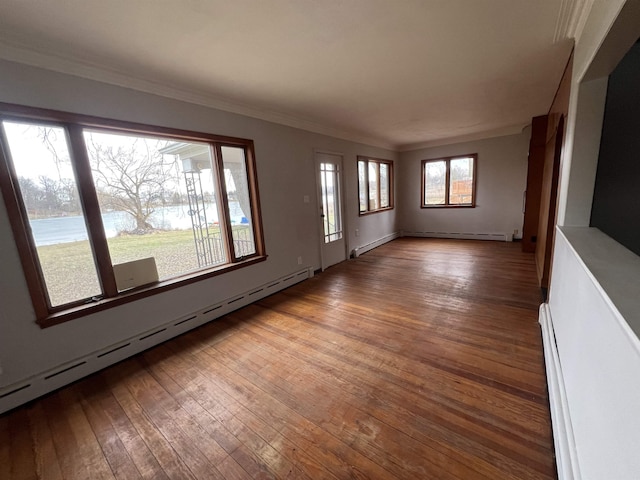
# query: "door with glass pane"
{"type": "Point", "coordinates": [333, 247]}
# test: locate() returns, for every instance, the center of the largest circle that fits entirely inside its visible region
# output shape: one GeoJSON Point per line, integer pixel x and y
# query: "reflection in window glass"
{"type": "Point", "coordinates": [239, 200]}
{"type": "Point", "coordinates": [434, 184]}
{"type": "Point", "coordinates": [49, 193]}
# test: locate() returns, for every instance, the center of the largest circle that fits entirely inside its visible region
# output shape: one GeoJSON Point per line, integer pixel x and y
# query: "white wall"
{"type": "Point", "coordinates": [285, 165]}
{"type": "Point", "coordinates": [500, 184]}
{"type": "Point", "coordinates": [599, 352]}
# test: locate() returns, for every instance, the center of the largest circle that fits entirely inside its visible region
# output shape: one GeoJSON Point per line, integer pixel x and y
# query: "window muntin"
{"type": "Point", "coordinates": [375, 185]}
{"type": "Point", "coordinates": [449, 182]}
{"type": "Point", "coordinates": [76, 148]}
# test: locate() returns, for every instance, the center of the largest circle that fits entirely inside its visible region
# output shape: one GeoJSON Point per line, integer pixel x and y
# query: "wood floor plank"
{"type": "Point", "coordinates": [5, 447]}
{"type": "Point", "coordinates": [72, 442]}
{"type": "Point", "coordinates": [452, 386]}
{"type": "Point", "coordinates": [420, 359]}
{"type": "Point", "coordinates": [169, 420]}
{"type": "Point", "coordinates": [113, 449]}
{"type": "Point", "coordinates": [153, 437]}
{"type": "Point", "coordinates": [296, 428]}
{"type": "Point", "coordinates": [22, 458]}
{"type": "Point", "coordinates": [253, 431]}
{"type": "Point", "coordinates": [47, 466]}
{"type": "Point", "coordinates": [139, 452]}
{"type": "Point", "coordinates": [393, 397]}
{"type": "Point", "coordinates": [387, 412]}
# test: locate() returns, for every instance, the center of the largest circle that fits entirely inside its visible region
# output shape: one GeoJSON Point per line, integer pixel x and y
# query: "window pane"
{"type": "Point", "coordinates": [49, 192]}
{"type": "Point", "coordinates": [158, 199]}
{"type": "Point", "coordinates": [434, 183]}
{"type": "Point", "coordinates": [461, 181]}
{"type": "Point", "coordinates": [384, 185]}
{"type": "Point", "coordinates": [237, 184]}
{"type": "Point", "coordinates": [374, 201]}
{"type": "Point", "coordinates": [362, 185]}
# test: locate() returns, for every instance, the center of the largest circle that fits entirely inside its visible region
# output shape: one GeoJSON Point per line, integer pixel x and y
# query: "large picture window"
{"type": "Point", "coordinates": [375, 184]}
{"type": "Point", "coordinates": [106, 212]}
{"type": "Point", "coordinates": [449, 181]}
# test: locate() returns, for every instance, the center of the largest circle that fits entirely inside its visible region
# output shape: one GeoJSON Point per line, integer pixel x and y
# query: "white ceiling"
{"type": "Point", "coordinates": [395, 73]}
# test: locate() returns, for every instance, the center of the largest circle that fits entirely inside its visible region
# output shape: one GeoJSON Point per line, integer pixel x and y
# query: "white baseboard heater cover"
{"type": "Point", "coordinates": [501, 237]}
{"type": "Point", "coordinates": [563, 439]}
{"type": "Point", "coordinates": [376, 243]}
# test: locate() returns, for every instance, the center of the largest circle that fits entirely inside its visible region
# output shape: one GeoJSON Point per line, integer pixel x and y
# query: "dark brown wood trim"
{"type": "Point", "coordinates": [447, 183]}
{"type": "Point", "coordinates": [392, 197]}
{"type": "Point", "coordinates": [378, 161]}
{"type": "Point", "coordinates": [222, 188]}
{"type": "Point", "coordinates": [24, 113]}
{"type": "Point", "coordinates": [18, 219]}
{"type": "Point", "coordinates": [567, 66]}
{"type": "Point", "coordinates": [474, 189]}
{"type": "Point", "coordinates": [447, 206]}
{"type": "Point", "coordinates": [74, 124]}
{"type": "Point", "coordinates": [447, 161]}
{"type": "Point", "coordinates": [92, 214]}
{"type": "Point", "coordinates": [142, 292]}
{"type": "Point", "coordinates": [254, 197]}
{"type": "Point", "coordinates": [379, 210]}
{"type": "Point", "coordinates": [366, 182]}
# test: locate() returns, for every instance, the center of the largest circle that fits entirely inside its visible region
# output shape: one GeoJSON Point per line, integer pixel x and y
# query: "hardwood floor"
{"type": "Point", "coordinates": [421, 359]}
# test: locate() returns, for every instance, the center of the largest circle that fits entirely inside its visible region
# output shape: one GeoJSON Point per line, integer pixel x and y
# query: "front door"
{"type": "Point", "coordinates": [333, 246]}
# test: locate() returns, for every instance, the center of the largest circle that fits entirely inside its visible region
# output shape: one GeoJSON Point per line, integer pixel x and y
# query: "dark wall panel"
{"type": "Point", "coordinates": [616, 202]}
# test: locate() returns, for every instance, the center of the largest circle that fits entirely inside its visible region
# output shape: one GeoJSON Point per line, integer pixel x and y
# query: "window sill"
{"type": "Point", "coordinates": [614, 268]}
{"type": "Point", "coordinates": [379, 210]}
{"type": "Point", "coordinates": [142, 292]}
{"type": "Point", "coordinates": [448, 206]}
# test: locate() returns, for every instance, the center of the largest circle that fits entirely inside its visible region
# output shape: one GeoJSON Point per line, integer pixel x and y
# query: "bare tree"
{"type": "Point", "coordinates": [132, 178]}
{"type": "Point", "coordinates": [31, 194]}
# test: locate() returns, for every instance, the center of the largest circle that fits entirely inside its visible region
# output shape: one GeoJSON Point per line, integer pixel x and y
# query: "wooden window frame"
{"type": "Point", "coordinates": [447, 161]}
{"type": "Point", "coordinates": [378, 161]}
{"type": "Point", "coordinates": [73, 124]}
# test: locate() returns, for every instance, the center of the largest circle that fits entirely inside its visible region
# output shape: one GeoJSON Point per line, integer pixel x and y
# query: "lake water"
{"type": "Point", "coordinates": [50, 231]}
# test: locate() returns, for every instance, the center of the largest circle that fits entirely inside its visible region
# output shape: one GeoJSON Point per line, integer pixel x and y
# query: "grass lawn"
{"type": "Point", "coordinates": [69, 272]}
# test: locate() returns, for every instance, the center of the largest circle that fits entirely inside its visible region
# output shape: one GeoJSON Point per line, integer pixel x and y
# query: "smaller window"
{"type": "Point", "coordinates": [375, 185]}
{"type": "Point", "coordinates": [449, 181]}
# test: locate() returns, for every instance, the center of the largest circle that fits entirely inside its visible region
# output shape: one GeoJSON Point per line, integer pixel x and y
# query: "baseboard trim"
{"type": "Point", "coordinates": [28, 389]}
{"type": "Point", "coordinates": [500, 237]}
{"type": "Point", "coordinates": [376, 243]}
{"type": "Point", "coordinates": [564, 442]}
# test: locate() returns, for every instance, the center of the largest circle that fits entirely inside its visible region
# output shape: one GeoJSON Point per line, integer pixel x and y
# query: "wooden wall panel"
{"type": "Point", "coordinates": [535, 169]}
{"type": "Point", "coordinates": [550, 177]}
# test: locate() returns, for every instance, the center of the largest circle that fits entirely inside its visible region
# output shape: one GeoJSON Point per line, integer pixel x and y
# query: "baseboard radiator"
{"type": "Point", "coordinates": [371, 245]}
{"type": "Point", "coordinates": [564, 442]}
{"type": "Point", "coordinates": [26, 390]}
{"type": "Point", "coordinates": [501, 237]}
